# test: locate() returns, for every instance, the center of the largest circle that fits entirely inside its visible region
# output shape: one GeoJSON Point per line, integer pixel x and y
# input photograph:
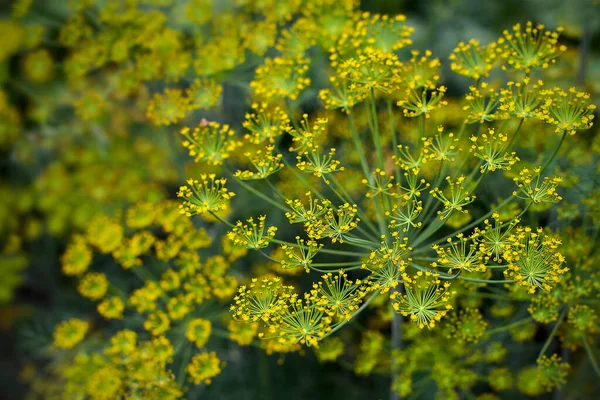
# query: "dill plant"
{"type": "Point", "coordinates": [356, 208]}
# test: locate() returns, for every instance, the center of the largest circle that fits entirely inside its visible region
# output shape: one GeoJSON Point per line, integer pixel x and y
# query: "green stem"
{"type": "Point", "coordinates": [185, 359]}
{"type": "Point", "coordinates": [261, 195]}
{"type": "Point", "coordinates": [221, 219]}
{"type": "Point", "coordinates": [512, 140]}
{"type": "Point", "coordinates": [392, 122]}
{"type": "Point", "coordinates": [590, 354]}
{"type": "Point", "coordinates": [562, 138]}
{"type": "Point", "coordinates": [376, 134]}
{"type": "Point", "coordinates": [509, 326]}
{"type": "Point", "coordinates": [358, 145]}
{"type": "Point", "coordinates": [553, 333]}
{"type": "Point", "coordinates": [337, 264]}
{"type": "Point", "coordinates": [338, 252]}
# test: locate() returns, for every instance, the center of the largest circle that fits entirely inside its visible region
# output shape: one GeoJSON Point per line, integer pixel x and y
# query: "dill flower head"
{"type": "Point", "coordinates": [339, 295]}
{"type": "Point", "coordinates": [68, 333]}
{"type": "Point", "coordinates": [157, 323]}
{"type": "Point", "coordinates": [370, 348]}
{"type": "Point", "coordinates": [265, 124]}
{"type": "Point", "coordinates": [544, 308]}
{"type": "Point", "coordinates": [491, 148]}
{"type": "Point", "coordinates": [568, 111]}
{"type": "Point", "coordinates": [483, 105]}
{"type": "Point", "coordinates": [454, 198]}
{"type": "Point", "coordinates": [340, 95]}
{"type": "Point", "coordinates": [265, 299]}
{"type": "Point", "coordinates": [168, 108]}
{"type": "Point", "coordinates": [259, 36]}
{"type": "Point", "coordinates": [334, 223]}
{"type": "Point", "coordinates": [552, 372]}
{"type": "Point", "coordinates": [320, 165]}
{"type": "Point", "coordinates": [467, 325]}
{"type": "Point", "coordinates": [310, 213]}
{"type": "Point", "coordinates": [530, 46]}
{"type": "Point", "coordinates": [371, 70]}
{"type": "Point", "coordinates": [533, 259]}
{"type": "Point", "coordinates": [305, 136]}
{"type": "Point", "coordinates": [473, 60]}
{"type": "Point", "coordinates": [387, 264]}
{"type": "Point", "coordinates": [77, 258]}
{"type": "Point", "coordinates": [533, 187]}
{"type": "Point", "coordinates": [198, 331]}
{"type": "Point", "coordinates": [204, 94]}
{"type": "Point", "coordinates": [441, 147]}
{"type": "Point", "coordinates": [366, 32]}
{"type": "Point", "coordinates": [203, 367]}
{"type": "Point", "coordinates": [179, 306]}
{"type": "Point", "coordinates": [426, 300]}
{"type": "Point", "coordinates": [252, 235]}
{"type": "Point", "coordinates": [500, 379]}
{"type": "Point", "coordinates": [422, 102]}
{"type": "Point", "coordinates": [422, 71]}
{"type": "Point", "coordinates": [141, 215]}
{"type": "Point", "coordinates": [93, 285]}
{"type": "Point", "coordinates": [122, 343]}
{"type": "Point", "coordinates": [301, 255]}
{"type": "Point", "coordinates": [210, 142]}
{"type": "Point", "coordinates": [105, 383]}
{"type": "Point", "coordinates": [111, 308]}
{"type": "Point", "coordinates": [206, 195]}
{"type": "Point", "coordinates": [330, 349]}
{"type": "Point", "coordinates": [243, 333]}
{"type": "Point", "coordinates": [304, 322]}
{"type": "Point", "coordinates": [522, 99]}
{"type": "Point", "coordinates": [39, 66]}
{"type": "Point", "coordinates": [104, 233]}
{"type": "Point", "coordinates": [280, 78]}
{"type": "Point", "coordinates": [462, 254]}
{"type": "Point", "coordinates": [265, 163]}
{"type": "Point", "coordinates": [583, 318]}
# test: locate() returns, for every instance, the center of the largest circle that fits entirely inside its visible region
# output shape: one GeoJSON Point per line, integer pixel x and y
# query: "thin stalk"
{"type": "Point", "coordinates": [221, 219]}
{"type": "Point", "coordinates": [185, 358]}
{"type": "Point", "coordinates": [338, 264]}
{"type": "Point", "coordinates": [553, 333]}
{"type": "Point", "coordinates": [462, 278]}
{"type": "Point", "coordinates": [512, 140]}
{"type": "Point", "coordinates": [329, 251]}
{"type": "Point", "coordinates": [358, 241]}
{"type": "Point", "coordinates": [590, 354]}
{"type": "Point", "coordinates": [562, 139]}
{"type": "Point", "coordinates": [446, 276]}
{"type": "Point", "coordinates": [524, 210]}
{"type": "Point", "coordinates": [509, 326]}
{"type": "Point", "coordinates": [376, 134]}
{"type": "Point", "coordinates": [261, 195]}
{"type": "Point", "coordinates": [394, 138]}
{"type": "Point", "coordinates": [358, 145]}
{"type": "Point", "coordinates": [275, 190]}
{"type": "Point", "coordinates": [396, 340]}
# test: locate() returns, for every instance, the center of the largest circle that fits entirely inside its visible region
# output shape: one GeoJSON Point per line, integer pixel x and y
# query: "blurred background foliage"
{"type": "Point", "coordinates": [35, 295]}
